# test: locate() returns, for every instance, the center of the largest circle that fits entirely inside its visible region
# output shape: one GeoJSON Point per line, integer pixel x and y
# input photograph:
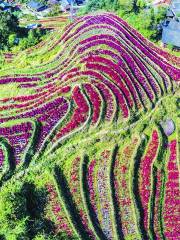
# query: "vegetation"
{"type": "Point", "coordinates": [28, 205]}
{"type": "Point", "coordinates": [135, 12]}
{"type": "Point", "coordinates": [55, 10]}
{"type": "Point", "coordinates": [84, 153]}
{"type": "Point", "coordinates": [33, 38]}
{"type": "Point", "coordinates": [11, 34]}
{"type": "Point", "coordinates": [22, 212]}
{"type": "Point", "coordinates": [102, 4]}
{"type": "Point", "coordinates": [150, 19]}
{"type": "Point", "coordinates": [8, 25]}
{"type": "Point", "coordinates": [27, 1]}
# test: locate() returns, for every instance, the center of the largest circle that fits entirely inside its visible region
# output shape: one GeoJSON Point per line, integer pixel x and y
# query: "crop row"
{"type": "Point", "coordinates": [103, 192]}
{"type": "Point", "coordinates": [171, 200]}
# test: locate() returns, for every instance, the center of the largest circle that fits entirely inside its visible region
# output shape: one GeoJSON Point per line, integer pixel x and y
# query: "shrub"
{"type": "Point", "coordinates": [11, 39]}
{"type": "Point", "coordinates": [22, 212]}
{"type": "Point", "coordinates": [56, 10]}
{"type": "Point", "coordinates": [107, 5]}
{"type": "Point", "coordinates": [8, 25]}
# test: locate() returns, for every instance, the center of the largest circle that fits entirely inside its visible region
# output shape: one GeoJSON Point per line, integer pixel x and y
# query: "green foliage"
{"type": "Point", "coordinates": [143, 23]}
{"type": "Point", "coordinates": [141, 4]}
{"type": "Point", "coordinates": [10, 30]}
{"type": "Point", "coordinates": [44, 2]}
{"type": "Point", "coordinates": [160, 14]}
{"type": "Point", "coordinates": [22, 206]}
{"type": "Point", "coordinates": [108, 5]}
{"type": "Point", "coordinates": [12, 212]}
{"type": "Point", "coordinates": [135, 12]}
{"type": "Point", "coordinates": [55, 11]}
{"type": "Point", "coordinates": [8, 22]}
{"type": "Point", "coordinates": [11, 39]}
{"type": "Point", "coordinates": [8, 25]}
{"type": "Point", "coordinates": [145, 20]}
{"type": "Point", "coordinates": [159, 115]}
{"type": "Point", "coordinates": [29, 17]}
{"type": "Point", "coordinates": [23, 202]}
{"type": "Point", "coordinates": [23, 44]}
{"type": "Point", "coordinates": [170, 47]}
{"type": "Point", "coordinates": [127, 5]}
{"type": "Point", "coordinates": [23, 1]}
{"type": "Point", "coordinates": [22, 212]}
{"type": "Point", "coordinates": [34, 37]}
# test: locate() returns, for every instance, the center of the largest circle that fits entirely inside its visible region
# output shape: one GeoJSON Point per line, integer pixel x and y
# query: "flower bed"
{"type": "Point", "coordinates": [75, 189]}
{"type": "Point", "coordinates": [109, 99]}
{"type": "Point", "coordinates": [102, 71]}
{"type": "Point", "coordinates": [124, 200]}
{"type": "Point", "coordinates": [171, 200]}
{"type": "Point", "coordinates": [100, 196]}
{"type": "Point", "coordinates": [1, 156]}
{"type": "Point", "coordinates": [55, 208]}
{"type": "Point", "coordinates": [18, 137]}
{"type": "Point", "coordinates": [95, 101]}
{"type": "Point", "coordinates": [156, 221]}
{"type": "Point", "coordinates": [79, 116]}
{"type": "Point", "coordinates": [145, 174]}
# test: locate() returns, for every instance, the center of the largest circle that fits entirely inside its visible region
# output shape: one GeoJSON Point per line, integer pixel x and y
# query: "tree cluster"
{"type": "Point", "coordinates": [114, 5]}
{"type": "Point", "coordinates": [9, 24]}
{"type": "Point", "coordinates": [136, 12]}
{"type": "Point", "coordinates": [11, 34]}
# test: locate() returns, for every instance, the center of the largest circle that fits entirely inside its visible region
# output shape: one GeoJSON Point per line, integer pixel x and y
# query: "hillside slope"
{"type": "Point", "coordinates": [89, 128]}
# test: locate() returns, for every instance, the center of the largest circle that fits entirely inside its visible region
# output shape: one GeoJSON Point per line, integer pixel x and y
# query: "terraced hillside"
{"type": "Point", "coordinates": [97, 129]}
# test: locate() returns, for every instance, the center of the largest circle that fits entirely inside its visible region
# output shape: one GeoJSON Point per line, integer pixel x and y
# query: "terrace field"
{"type": "Point", "coordinates": [89, 135]}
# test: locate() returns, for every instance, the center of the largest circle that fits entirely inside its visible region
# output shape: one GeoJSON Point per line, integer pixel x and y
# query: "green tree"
{"type": "Point", "coordinates": [11, 39]}
{"type": "Point", "coordinates": [160, 14]}
{"type": "Point", "coordinates": [32, 37]}
{"type": "Point", "coordinates": [8, 25]}
{"type": "Point", "coordinates": [23, 43]}
{"type": "Point", "coordinates": [140, 4]}
{"type": "Point", "coordinates": [108, 5]}
{"type": "Point", "coordinates": [131, 5]}
{"type": "Point", "coordinates": [127, 5]}
{"type": "Point", "coordinates": [55, 10]}
{"type": "Point", "coordinates": [22, 213]}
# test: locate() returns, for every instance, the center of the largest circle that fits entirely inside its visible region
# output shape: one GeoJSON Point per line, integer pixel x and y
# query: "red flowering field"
{"type": "Point", "coordinates": [89, 144]}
